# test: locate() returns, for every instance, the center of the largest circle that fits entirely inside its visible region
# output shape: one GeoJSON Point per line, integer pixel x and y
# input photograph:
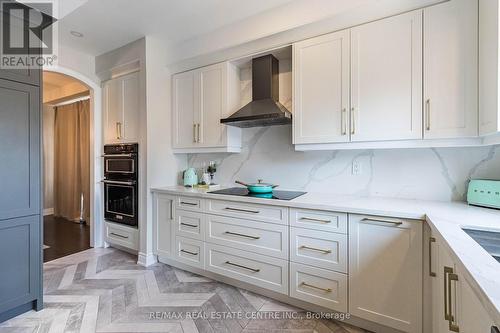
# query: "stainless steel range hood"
{"type": "Point", "coordinates": [265, 108]}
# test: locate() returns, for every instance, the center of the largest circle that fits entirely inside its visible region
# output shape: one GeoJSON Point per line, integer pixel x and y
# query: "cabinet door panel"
{"type": "Point", "coordinates": [385, 278]}
{"type": "Point", "coordinates": [113, 115]}
{"type": "Point", "coordinates": [321, 81]}
{"type": "Point", "coordinates": [386, 79]}
{"type": "Point", "coordinates": [212, 105]}
{"type": "Point", "coordinates": [20, 147]}
{"type": "Point", "coordinates": [131, 108]}
{"type": "Point", "coordinates": [20, 239]}
{"type": "Point", "coordinates": [450, 71]}
{"type": "Point", "coordinates": [185, 110]}
{"type": "Point", "coordinates": [163, 219]}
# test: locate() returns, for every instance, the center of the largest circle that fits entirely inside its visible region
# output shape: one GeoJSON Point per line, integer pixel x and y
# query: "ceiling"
{"type": "Point", "coordinates": [108, 24]}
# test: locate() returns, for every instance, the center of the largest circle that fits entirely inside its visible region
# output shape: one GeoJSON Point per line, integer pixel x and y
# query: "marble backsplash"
{"type": "Point", "coordinates": [424, 173]}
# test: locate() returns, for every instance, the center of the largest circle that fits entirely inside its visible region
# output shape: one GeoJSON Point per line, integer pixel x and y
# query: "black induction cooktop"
{"type": "Point", "coordinates": [243, 192]}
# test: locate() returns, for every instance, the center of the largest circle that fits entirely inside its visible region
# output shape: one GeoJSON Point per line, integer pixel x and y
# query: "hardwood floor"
{"type": "Point", "coordinates": [104, 290]}
{"type": "Point", "coordinates": [63, 237]}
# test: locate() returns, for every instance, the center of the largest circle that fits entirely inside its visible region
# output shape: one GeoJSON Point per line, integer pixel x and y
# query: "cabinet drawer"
{"type": "Point", "coordinates": [319, 220]}
{"type": "Point", "coordinates": [263, 271]}
{"type": "Point", "coordinates": [190, 251]}
{"type": "Point", "coordinates": [319, 248]}
{"type": "Point", "coordinates": [188, 203]}
{"type": "Point", "coordinates": [189, 224]}
{"type": "Point", "coordinates": [122, 235]}
{"type": "Point", "coordinates": [319, 286]}
{"type": "Point", "coordinates": [249, 211]}
{"type": "Point", "coordinates": [259, 237]}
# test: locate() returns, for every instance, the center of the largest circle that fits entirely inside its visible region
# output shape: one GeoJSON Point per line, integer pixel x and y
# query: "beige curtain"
{"type": "Point", "coordinates": [72, 159]}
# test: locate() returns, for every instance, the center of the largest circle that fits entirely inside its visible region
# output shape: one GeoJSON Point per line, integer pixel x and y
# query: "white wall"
{"type": "Point", "coordinates": [82, 63]}
{"type": "Point", "coordinates": [48, 157]}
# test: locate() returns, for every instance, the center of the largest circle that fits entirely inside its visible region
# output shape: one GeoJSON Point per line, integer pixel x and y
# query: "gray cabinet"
{"type": "Point", "coordinates": [19, 150]}
{"type": "Point", "coordinates": [20, 218]}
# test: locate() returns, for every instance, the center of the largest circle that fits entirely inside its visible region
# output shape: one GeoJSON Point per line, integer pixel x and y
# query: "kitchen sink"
{"type": "Point", "coordinates": [489, 240]}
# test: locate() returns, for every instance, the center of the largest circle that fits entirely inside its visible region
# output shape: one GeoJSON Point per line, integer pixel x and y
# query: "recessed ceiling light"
{"type": "Point", "coordinates": [76, 33]}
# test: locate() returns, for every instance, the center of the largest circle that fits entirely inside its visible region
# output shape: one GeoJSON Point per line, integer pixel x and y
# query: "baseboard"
{"type": "Point", "coordinates": [146, 259]}
{"type": "Point", "coordinates": [48, 211]}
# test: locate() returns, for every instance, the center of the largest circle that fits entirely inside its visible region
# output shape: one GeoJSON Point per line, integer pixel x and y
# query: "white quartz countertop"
{"type": "Point", "coordinates": [446, 219]}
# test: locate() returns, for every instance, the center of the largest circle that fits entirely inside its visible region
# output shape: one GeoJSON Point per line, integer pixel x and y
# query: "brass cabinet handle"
{"type": "Point", "coordinates": [451, 321]}
{"type": "Point", "coordinates": [242, 210]}
{"type": "Point", "coordinates": [117, 235]}
{"type": "Point", "coordinates": [328, 290]}
{"type": "Point", "coordinates": [343, 121]}
{"type": "Point", "coordinates": [314, 249]}
{"type": "Point", "coordinates": [241, 235]}
{"type": "Point", "coordinates": [118, 130]}
{"type": "Point", "coordinates": [381, 220]}
{"type": "Point", "coordinates": [255, 270]}
{"type": "Point", "coordinates": [315, 220]}
{"type": "Point", "coordinates": [189, 252]}
{"type": "Point", "coordinates": [428, 114]}
{"type": "Point", "coordinates": [189, 203]}
{"type": "Point", "coordinates": [189, 225]}
{"type": "Point", "coordinates": [431, 240]}
{"type": "Point", "coordinates": [447, 270]}
{"type": "Point", "coordinates": [199, 140]}
{"type": "Point", "coordinates": [353, 125]}
{"type": "Point", "coordinates": [194, 133]}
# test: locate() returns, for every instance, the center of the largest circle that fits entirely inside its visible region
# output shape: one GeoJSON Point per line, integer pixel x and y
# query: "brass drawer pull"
{"type": "Point", "coordinates": [194, 133]}
{"type": "Point", "coordinates": [189, 252]}
{"type": "Point", "coordinates": [431, 240]}
{"type": "Point", "coordinates": [255, 270]}
{"type": "Point", "coordinates": [428, 114]}
{"type": "Point", "coordinates": [315, 220]}
{"type": "Point", "coordinates": [241, 235]}
{"type": "Point", "coordinates": [189, 203]}
{"type": "Point", "coordinates": [343, 122]}
{"type": "Point", "coordinates": [189, 225]}
{"type": "Point", "coordinates": [242, 210]}
{"type": "Point", "coordinates": [328, 290]}
{"type": "Point", "coordinates": [381, 220]}
{"type": "Point", "coordinates": [117, 235]}
{"type": "Point", "coordinates": [446, 271]}
{"type": "Point", "coordinates": [315, 249]}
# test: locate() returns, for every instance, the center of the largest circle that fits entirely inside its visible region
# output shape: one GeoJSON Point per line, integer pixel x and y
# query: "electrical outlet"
{"type": "Point", "coordinates": [356, 168]}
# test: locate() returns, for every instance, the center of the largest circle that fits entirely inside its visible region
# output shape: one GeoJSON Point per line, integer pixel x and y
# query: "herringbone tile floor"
{"type": "Point", "coordinates": [104, 290]}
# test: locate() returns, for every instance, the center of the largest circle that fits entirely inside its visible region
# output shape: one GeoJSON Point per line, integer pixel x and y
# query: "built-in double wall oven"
{"type": "Point", "coordinates": [121, 183]}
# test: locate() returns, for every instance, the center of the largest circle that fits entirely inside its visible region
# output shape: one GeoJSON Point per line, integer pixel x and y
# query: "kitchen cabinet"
{"type": "Point", "coordinates": [385, 271]}
{"type": "Point", "coordinates": [386, 79]}
{"type": "Point", "coordinates": [163, 220]}
{"type": "Point", "coordinates": [201, 98]}
{"type": "Point", "coordinates": [451, 70]}
{"type": "Point", "coordinates": [455, 307]}
{"type": "Point", "coordinates": [122, 109]}
{"type": "Point", "coordinates": [321, 89]}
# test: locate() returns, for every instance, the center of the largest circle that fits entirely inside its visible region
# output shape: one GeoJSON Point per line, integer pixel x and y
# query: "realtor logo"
{"type": "Point", "coordinates": [28, 34]}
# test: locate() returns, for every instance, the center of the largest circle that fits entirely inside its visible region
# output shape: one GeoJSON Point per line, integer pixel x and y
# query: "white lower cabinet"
{"type": "Point", "coordinates": [122, 235]}
{"type": "Point", "coordinates": [385, 271]}
{"type": "Point", "coordinates": [455, 307]}
{"type": "Point", "coordinates": [319, 286]}
{"type": "Point", "coordinates": [163, 215]}
{"type": "Point", "coordinates": [319, 248]}
{"type": "Point", "coordinates": [259, 237]}
{"type": "Point", "coordinates": [263, 271]}
{"type": "Point", "coordinates": [190, 251]}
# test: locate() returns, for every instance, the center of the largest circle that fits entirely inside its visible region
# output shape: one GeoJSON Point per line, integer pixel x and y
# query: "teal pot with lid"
{"type": "Point", "coordinates": [259, 187]}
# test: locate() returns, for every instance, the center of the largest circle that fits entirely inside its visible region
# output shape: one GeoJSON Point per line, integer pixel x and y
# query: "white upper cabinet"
{"type": "Point", "coordinates": [451, 70]}
{"type": "Point", "coordinates": [385, 271]}
{"type": "Point", "coordinates": [122, 109]}
{"type": "Point", "coordinates": [321, 89]}
{"type": "Point", "coordinates": [186, 112]}
{"type": "Point", "coordinates": [386, 79]}
{"type": "Point", "coordinates": [201, 98]}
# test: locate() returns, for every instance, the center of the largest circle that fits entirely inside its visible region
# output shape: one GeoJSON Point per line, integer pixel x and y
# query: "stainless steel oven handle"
{"type": "Point", "coordinates": [117, 155]}
{"type": "Point", "coordinates": [118, 182]}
